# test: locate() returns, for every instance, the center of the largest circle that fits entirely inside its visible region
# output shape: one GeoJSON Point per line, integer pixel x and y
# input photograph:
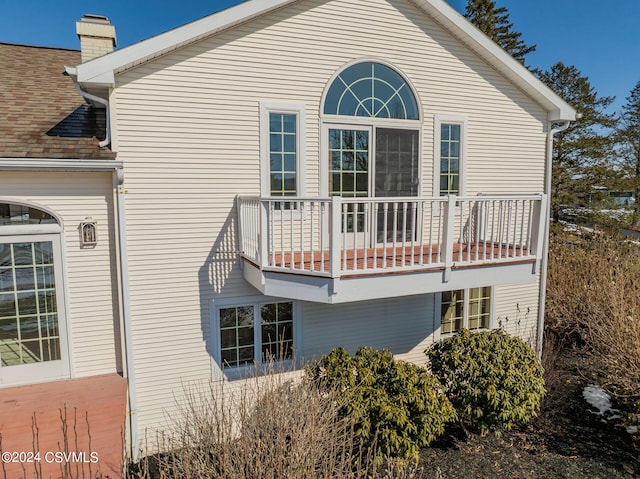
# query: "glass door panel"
{"type": "Point", "coordinates": [30, 333]}
{"type": "Point", "coordinates": [349, 153]}
{"type": "Point", "coordinates": [396, 175]}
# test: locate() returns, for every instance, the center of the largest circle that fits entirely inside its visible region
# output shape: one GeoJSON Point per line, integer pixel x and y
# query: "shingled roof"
{"type": "Point", "coordinates": [41, 114]}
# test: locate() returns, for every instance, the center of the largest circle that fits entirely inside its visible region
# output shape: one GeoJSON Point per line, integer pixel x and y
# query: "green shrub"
{"type": "Point", "coordinates": [492, 379]}
{"type": "Point", "coordinates": [396, 407]}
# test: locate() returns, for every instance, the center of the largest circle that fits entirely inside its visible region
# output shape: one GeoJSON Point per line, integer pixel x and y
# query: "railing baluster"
{"type": "Point", "coordinates": [530, 227]}
{"type": "Point", "coordinates": [404, 233]}
{"type": "Point", "coordinates": [321, 219]}
{"type": "Point", "coordinates": [395, 233]}
{"type": "Point", "coordinates": [521, 242]}
{"type": "Point", "coordinates": [477, 208]}
{"type": "Point", "coordinates": [509, 228]}
{"type": "Point", "coordinates": [461, 232]}
{"type": "Point", "coordinates": [385, 233]}
{"type": "Point", "coordinates": [374, 234]}
{"type": "Point", "coordinates": [301, 242]}
{"type": "Point", "coordinates": [414, 212]}
{"type": "Point", "coordinates": [344, 235]}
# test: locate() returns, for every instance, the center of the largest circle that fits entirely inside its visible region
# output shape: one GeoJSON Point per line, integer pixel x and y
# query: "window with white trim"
{"type": "Point", "coordinates": [465, 308]}
{"type": "Point", "coordinates": [282, 140]}
{"type": "Point", "coordinates": [255, 332]}
{"type": "Point", "coordinates": [450, 146]}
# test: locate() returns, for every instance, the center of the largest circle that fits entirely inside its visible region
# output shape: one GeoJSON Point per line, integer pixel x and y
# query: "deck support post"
{"type": "Point", "coordinates": [449, 227]}
{"type": "Point", "coordinates": [263, 228]}
{"type": "Point", "coordinates": [335, 247]}
{"type": "Point", "coordinates": [538, 234]}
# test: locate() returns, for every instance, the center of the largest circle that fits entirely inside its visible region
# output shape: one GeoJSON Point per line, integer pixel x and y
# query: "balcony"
{"type": "Point", "coordinates": [337, 249]}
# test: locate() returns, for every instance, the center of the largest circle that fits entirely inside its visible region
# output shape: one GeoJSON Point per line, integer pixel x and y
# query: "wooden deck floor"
{"type": "Point", "coordinates": [417, 257]}
{"type": "Point", "coordinates": [31, 420]}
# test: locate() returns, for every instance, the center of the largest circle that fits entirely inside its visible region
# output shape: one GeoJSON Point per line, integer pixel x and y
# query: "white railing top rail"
{"type": "Point", "coordinates": [388, 199]}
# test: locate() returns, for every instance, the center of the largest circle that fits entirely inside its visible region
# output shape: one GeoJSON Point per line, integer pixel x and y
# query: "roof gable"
{"type": "Point", "coordinates": [102, 71]}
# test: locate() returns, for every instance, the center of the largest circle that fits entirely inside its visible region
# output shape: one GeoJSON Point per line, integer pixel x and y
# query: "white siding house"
{"type": "Point", "coordinates": [302, 175]}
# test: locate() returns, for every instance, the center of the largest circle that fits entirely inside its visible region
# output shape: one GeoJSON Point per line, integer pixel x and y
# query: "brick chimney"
{"type": "Point", "coordinates": [97, 36]}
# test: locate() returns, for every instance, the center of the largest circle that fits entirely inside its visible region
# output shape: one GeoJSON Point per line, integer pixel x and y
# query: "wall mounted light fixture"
{"type": "Point", "coordinates": [88, 232]}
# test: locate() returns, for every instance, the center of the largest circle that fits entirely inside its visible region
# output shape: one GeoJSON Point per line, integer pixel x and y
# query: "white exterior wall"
{"type": "Point", "coordinates": [516, 310]}
{"type": "Point", "coordinates": [90, 273]}
{"type": "Point", "coordinates": [405, 326]}
{"type": "Point", "coordinates": [188, 133]}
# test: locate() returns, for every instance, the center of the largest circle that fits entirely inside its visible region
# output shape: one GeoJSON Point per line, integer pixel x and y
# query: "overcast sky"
{"type": "Point", "coordinates": [600, 37]}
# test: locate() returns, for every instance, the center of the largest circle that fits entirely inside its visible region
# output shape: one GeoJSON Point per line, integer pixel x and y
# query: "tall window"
{"type": "Point", "coordinates": [465, 308]}
{"type": "Point", "coordinates": [283, 152]}
{"type": "Point", "coordinates": [449, 142]}
{"type": "Point", "coordinates": [449, 159]}
{"type": "Point", "coordinates": [255, 332]}
{"type": "Point", "coordinates": [31, 328]}
{"type": "Point", "coordinates": [281, 149]}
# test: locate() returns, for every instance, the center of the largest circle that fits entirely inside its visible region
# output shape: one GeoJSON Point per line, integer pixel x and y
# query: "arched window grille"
{"type": "Point", "coordinates": [370, 89]}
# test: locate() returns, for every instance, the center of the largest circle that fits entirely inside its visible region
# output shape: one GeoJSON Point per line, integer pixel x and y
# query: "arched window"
{"type": "Point", "coordinates": [372, 90]}
{"type": "Point", "coordinates": [372, 130]}
{"type": "Point", "coordinates": [14, 214]}
{"type": "Point", "coordinates": [32, 331]}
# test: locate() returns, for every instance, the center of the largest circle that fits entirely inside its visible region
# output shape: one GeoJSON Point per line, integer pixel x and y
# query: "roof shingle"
{"type": "Point", "coordinates": [41, 114]}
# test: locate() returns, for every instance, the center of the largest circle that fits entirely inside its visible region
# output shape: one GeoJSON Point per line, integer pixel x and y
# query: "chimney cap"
{"type": "Point", "coordinates": [93, 18]}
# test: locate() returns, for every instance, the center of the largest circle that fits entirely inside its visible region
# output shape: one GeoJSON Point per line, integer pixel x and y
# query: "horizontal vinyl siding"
{"type": "Point", "coordinates": [90, 272]}
{"type": "Point", "coordinates": [517, 310]}
{"type": "Point", "coordinates": [188, 133]}
{"type": "Point", "coordinates": [402, 325]}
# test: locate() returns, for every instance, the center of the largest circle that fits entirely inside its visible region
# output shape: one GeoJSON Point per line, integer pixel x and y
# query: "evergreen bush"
{"type": "Point", "coordinates": [492, 379]}
{"type": "Point", "coordinates": [397, 407]}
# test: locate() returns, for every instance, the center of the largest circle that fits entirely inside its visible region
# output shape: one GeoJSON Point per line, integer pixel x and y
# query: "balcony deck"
{"type": "Point", "coordinates": [351, 249]}
{"type": "Point", "coordinates": [392, 260]}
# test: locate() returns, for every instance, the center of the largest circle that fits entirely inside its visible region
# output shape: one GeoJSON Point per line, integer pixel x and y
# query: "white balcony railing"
{"type": "Point", "coordinates": [338, 236]}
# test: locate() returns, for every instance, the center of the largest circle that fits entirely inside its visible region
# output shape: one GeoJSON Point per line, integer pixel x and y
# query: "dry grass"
{"type": "Point", "coordinates": [594, 300]}
{"type": "Point", "coordinates": [270, 428]}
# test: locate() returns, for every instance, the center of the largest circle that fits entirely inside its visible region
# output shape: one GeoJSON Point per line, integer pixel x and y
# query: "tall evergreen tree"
{"type": "Point", "coordinates": [629, 134]}
{"type": "Point", "coordinates": [494, 22]}
{"type": "Point", "coordinates": [582, 153]}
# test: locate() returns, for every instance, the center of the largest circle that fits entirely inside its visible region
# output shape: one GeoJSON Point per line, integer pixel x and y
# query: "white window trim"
{"type": "Point", "coordinates": [465, 313]}
{"type": "Point", "coordinates": [358, 123]}
{"type": "Point", "coordinates": [299, 110]}
{"type": "Point", "coordinates": [240, 372]}
{"type": "Point", "coordinates": [47, 370]}
{"type": "Point", "coordinates": [438, 121]}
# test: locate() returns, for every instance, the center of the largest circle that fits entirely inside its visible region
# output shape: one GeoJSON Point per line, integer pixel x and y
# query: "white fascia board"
{"type": "Point", "coordinates": [472, 37]}
{"type": "Point", "coordinates": [54, 164]}
{"type": "Point", "coordinates": [102, 70]}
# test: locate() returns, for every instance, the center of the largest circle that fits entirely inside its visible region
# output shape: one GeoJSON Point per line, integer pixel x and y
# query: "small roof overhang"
{"type": "Point", "coordinates": [100, 73]}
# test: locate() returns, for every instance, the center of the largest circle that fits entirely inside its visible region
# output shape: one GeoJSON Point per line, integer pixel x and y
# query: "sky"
{"type": "Point", "coordinates": [601, 38]}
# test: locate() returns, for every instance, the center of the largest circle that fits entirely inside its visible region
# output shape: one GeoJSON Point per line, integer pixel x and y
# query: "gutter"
{"type": "Point", "coordinates": [57, 164]}
{"type": "Point", "coordinates": [545, 246]}
{"type": "Point", "coordinates": [126, 311]}
{"type": "Point", "coordinates": [73, 73]}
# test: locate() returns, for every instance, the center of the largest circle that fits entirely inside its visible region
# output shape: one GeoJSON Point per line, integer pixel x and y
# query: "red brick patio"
{"type": "Point", "coordinates": [31, 421]}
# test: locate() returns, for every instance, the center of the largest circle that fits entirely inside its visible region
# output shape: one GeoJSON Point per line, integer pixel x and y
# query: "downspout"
{"type": "Point", "coordinates": [88, 96]}
{"type": "Point", "coordinates": [545, 246]}
{"type": "Point", "coordinates": [126, 313]}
